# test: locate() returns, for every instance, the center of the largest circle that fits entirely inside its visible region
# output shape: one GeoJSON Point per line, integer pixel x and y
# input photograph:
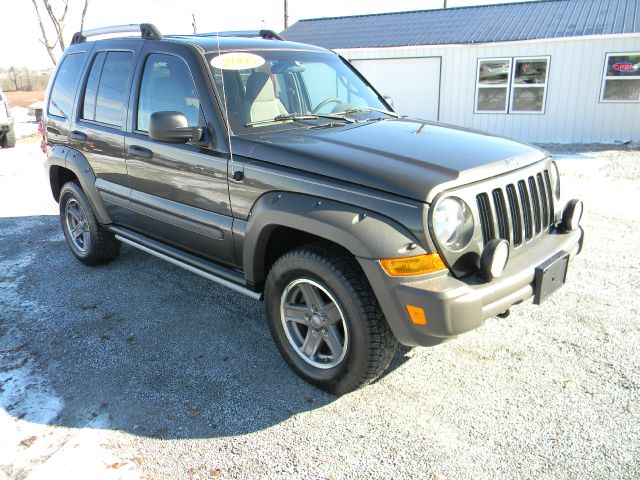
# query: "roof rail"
{"type": "Point", "coordinates": [146, 30]}
{"type": "Point", "coordinates": [266, 34]}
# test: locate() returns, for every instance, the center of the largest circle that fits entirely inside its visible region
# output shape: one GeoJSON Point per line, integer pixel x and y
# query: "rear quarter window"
{"type": "Point", "coordinates": [64, 85]}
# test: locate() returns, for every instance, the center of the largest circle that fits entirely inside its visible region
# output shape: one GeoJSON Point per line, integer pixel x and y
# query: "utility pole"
{"type": "Point", "coordinates": [445, 4]}
{"type": "Point", "coordinates": [193, 24]}
{"type": "Point", "coordinates": [286, 14]}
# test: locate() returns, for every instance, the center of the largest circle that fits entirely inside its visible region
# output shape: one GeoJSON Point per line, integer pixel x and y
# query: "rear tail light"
{"type": "Point", "coordinates": [43, 143]}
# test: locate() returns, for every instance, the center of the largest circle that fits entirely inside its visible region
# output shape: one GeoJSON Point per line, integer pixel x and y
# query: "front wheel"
{"type": "Point", "coordinates": [326, 320]}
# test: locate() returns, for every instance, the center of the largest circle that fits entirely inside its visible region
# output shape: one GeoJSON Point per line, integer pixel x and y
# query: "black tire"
{"type": "Point", "coordinates": [101, 246]}
{"type": "Point", "coordinates": [369, 344]}
{"type": "Point", "coordinates": [9, 140]}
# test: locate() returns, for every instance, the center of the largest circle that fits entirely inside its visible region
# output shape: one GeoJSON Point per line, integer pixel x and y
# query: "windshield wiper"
{"type": "Point", "coordinates": [300, 116]}
{"type": "Point", "coordinates": [364, 109]}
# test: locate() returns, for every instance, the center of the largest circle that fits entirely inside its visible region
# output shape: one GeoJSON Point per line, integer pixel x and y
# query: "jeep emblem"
{"type": "Point", "coordinates": [512, 162]}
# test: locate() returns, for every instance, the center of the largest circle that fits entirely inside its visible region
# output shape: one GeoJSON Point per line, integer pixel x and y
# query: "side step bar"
{"type": "Point", "coordinates": [221, 275]}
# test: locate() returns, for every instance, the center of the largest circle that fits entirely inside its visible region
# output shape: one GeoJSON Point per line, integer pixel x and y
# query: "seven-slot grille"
{"type": "Point", "coordinates": [518, 212]}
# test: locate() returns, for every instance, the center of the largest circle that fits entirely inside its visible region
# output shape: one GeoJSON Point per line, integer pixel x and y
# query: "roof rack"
{"type": "Point", "coordinates": [146, 30]}
{"type": "Point", "coordinates": [265, 34]}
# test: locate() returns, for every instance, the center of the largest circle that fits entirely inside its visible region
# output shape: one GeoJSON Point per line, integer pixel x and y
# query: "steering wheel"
{"type": "Point", "coordinates": [326, 102]}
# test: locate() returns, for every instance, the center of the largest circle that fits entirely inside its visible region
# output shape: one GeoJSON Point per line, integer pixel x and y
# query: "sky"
{"type": "Point", "coordinates": [20, 32]}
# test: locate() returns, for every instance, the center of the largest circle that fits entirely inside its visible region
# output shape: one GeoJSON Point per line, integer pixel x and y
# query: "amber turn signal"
{"type": "Point", "coordinates": [418, 265]}
{"type": "Point", "coordinates": [416, 314]}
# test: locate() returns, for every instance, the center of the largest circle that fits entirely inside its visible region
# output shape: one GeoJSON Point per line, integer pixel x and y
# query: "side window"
{"type": "Point", "coordinates": [64, 86]}
{"type": "Point", "coordinates": [89, 104]}
{"type": "Point", "coordinates": [106, 87]}
{"type": "Point", "coordinates": [167, 85]}
{"type": "Point", "coordinates": [323, 82]}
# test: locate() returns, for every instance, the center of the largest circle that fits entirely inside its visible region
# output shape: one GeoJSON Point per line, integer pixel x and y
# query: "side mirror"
{"type": "Point", "coordinates": [172, 127]}
{"type": "Point", "coordinates": [389, 100]}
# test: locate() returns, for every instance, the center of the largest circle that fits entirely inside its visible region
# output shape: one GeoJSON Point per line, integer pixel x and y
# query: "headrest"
{"type": "Point", "coordinates": [260, 87]}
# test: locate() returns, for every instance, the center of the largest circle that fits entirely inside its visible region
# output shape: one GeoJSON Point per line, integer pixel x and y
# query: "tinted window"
{"type": "Point", "coordinates": [89, 104]}
{"type": "Point", "coordinates": [113, 83]}
{"type": "Point", "coordinates": [64, 86]}
{"type": "Point", "coordinates": [167, 86]}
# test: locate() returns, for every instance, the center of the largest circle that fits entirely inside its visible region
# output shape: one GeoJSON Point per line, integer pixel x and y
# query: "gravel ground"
{"type": "Point", "coordinates": [141, 370]}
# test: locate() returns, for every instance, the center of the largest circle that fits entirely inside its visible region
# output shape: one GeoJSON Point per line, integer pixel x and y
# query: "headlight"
{"type": "Point", "coordinates": [453, 223]}
{"type": "Point", "coordinates": [555, 180]}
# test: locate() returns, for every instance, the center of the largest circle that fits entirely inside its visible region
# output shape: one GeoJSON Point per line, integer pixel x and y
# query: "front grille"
{"type": "Point", "coordinates": [518, 212]}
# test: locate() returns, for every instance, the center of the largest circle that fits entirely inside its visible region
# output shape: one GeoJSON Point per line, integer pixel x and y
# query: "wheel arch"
{"type": "Point", "coordinates": [361, 232]}
{"type": "Point", "coordinates": [65, 164]}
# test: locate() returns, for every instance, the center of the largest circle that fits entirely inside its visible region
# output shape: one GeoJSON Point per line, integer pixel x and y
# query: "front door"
{"type": "Point", "coordinates": [179, 192]}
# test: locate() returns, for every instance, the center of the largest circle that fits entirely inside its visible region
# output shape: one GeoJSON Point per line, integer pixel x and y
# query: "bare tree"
{"type": "Point", "coordinates": [13, 77]}
{"type": "Point", "coordinates": [58, 24]}
{"type": "Point", "coordinates": [27, 84]}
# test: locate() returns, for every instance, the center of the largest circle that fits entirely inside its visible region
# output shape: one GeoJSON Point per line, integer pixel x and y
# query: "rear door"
{"type": "Point", "coordinates": [179, 192]}
{"type": "Point", "coordinates": [101, 120]}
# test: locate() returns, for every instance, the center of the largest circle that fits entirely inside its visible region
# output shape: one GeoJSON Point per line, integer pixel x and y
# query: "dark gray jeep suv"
{"type": "Point", "coordinates": [275, 169]}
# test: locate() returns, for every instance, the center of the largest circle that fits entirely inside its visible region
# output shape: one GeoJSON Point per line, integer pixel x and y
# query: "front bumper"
{"type": "Point", "coordinates": [454, 306]}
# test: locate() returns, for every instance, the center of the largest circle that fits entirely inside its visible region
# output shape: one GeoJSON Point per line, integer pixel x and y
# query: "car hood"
{"type": "Point", "coordinates": [415, 159]}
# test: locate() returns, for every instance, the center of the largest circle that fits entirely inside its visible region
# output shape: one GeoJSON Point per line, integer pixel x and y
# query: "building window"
{"type": "Point", "coordinates": [621, 78]}
{"type": "Point", "coordinates": [512, 85]}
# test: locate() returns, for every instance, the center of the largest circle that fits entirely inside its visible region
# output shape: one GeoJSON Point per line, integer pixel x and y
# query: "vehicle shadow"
{"type": "Point", "coordinates": [137, 345]}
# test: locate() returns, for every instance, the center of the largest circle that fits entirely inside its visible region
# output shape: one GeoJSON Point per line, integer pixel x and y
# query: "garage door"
{"type": "Point", "coordinates": [413, 83]}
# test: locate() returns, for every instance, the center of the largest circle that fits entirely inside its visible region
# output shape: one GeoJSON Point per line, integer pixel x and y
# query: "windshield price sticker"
{"type": "Point", "coordinates": [237, 61]}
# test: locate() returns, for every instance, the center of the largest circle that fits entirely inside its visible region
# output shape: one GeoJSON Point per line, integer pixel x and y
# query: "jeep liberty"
{"type": "Point", "coordinates": [275, 169]}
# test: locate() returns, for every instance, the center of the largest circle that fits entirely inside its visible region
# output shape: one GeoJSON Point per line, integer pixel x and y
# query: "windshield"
{"type": "Point", "coordinates": [275, 89]}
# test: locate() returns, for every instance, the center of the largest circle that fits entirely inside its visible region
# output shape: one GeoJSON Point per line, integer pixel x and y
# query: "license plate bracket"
{"type": "Point", "coordinates": [550, 276]}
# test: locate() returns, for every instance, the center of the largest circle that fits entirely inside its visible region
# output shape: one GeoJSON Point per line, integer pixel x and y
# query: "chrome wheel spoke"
{"type": "Point", "coordinates": [311, 344]}
{"type": "Point", "coordinates": [331, 313]}
{"type": "Point", "coordinates": [311, 295]}
{"type": "Point", "coordinates": [296, 313]}
{"type": "Point", "coordinates": [334, 343]}
{"type": "Point", "coordinates": [75, 213]}
{"type": "Point", "coordinates": [77, 232]}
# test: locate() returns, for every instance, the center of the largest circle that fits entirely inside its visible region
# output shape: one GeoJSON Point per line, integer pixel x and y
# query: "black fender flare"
{"type": "Point", "coordinates": [363, 233]}
{"type": "Point", "coordinates": [76, 162]}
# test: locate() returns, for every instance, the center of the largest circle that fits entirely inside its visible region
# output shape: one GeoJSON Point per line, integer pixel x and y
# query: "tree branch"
{"type": "Point", "coordinates": [56, 23]}
{"type": "Point", "coordinates": [84, 13]}
{"type": "Point", "coordinates": [45, 40]}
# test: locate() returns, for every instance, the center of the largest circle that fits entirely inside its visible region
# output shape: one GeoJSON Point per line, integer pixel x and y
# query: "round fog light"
{"type": "Point", "coordinates": [494, 258]}
{"type": "Point", "coordinates": [572, 214]}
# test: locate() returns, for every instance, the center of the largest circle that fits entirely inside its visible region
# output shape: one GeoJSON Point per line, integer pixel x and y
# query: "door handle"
{"type": "Point", "coordinates": [138, 151]}
{"type": "Point", "coordinates": [80, 136]}
{"type": "Point", "coordinates": [53, 130]}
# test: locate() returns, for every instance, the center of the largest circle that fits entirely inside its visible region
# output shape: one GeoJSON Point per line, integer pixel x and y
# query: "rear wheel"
{"type": "Point", "coordinates": [89, 241]}
{"type": "Point", "coordinates": [9, 139]}
{"type": "Point", "coordinates": [326, 320]}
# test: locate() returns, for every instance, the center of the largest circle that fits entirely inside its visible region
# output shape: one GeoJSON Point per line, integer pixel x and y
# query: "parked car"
{"type": "Point", "coordinates": [275, 169]}
{"type": "Point", "coordinates": [7, 131]}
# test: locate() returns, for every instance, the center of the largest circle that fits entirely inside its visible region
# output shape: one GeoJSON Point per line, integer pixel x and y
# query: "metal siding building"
{"type": "Point", "coordinates": [430, 61]}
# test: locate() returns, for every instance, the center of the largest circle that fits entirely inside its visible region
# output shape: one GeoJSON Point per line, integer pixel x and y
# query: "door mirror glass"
{"type": "Point", "coordinates": [172, 127]}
